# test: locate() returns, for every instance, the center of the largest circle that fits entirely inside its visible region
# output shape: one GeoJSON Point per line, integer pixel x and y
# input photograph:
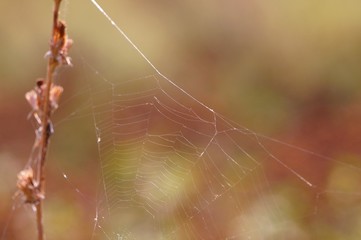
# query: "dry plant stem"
{"type": "Point", "coordinates": [44, 99]}
{"type": "Point", "coordinates": [45, 135]}
{"type": "Point", "coordinates": [43, 149]}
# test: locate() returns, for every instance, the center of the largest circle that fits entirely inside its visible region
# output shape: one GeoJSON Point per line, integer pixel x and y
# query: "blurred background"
{"type": "Point", "coordinates": [289, 70]}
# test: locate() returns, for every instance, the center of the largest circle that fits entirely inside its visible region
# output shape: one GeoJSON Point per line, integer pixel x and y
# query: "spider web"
{"type": "Point", "coordinates": [171, 167]}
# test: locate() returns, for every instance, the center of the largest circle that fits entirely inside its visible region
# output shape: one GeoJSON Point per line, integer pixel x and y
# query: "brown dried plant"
{"type": "Point", "coordinates": [44, 99]}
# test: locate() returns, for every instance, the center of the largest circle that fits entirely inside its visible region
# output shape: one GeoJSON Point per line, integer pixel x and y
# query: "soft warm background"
{"type": "Point", "coordinates": [287, 69]}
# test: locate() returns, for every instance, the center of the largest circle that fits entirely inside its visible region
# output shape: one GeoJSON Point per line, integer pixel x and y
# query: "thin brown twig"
{"type": "Point", "coordinates": [52, 64]}
{"type": "Point", "coordinates": [44, 101]}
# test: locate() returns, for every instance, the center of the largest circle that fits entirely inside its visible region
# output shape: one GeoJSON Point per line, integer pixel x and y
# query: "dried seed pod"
{"type": "Point", "coordinates": [55, 93]}
{"type": "Point", "coordinates": [61, 44]}
{"type": "Point", "coordinates": [35, 97]}
{"type": "Point", "coordinates": [29, 187]}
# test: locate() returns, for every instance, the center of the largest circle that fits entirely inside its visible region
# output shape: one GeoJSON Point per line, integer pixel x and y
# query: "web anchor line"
{"type": "Point", "coordinates": [144, 57]}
